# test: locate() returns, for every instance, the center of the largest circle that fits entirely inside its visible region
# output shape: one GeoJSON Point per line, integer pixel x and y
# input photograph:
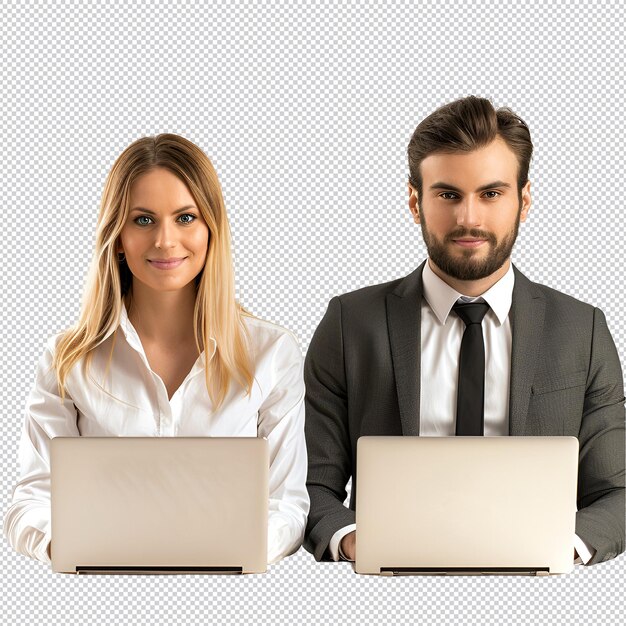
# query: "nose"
{"type": "Point", "coordinates": [468, 213]}
{"type": "Point", "coordinates": [165, 235]}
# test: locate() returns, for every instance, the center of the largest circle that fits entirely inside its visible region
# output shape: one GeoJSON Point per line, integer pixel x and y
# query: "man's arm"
{"type": "Point", "coordinates": [600, 516]}
{"type": "Point", "coordinates": [327, 435]}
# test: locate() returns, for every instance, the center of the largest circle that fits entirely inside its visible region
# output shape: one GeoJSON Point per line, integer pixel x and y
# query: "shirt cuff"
{"type": "Point", "coordinates": [27, 528]}
{"type": "Point", "coordinates": [41, 551]}
{"type": "Point", "coordinates": [284, 536]}
{"type": "Point", "coordinates": [585, 551]}
{"type": "Point", "coordinates": [335, 543]}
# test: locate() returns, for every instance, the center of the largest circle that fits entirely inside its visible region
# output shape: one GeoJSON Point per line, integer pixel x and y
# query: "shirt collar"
{"type": "Point", "coordinates": [441, 297]}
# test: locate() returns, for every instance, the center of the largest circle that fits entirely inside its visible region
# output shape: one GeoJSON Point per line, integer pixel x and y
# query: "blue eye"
{"type": "Point", "coordinates": [142, 220]}
{"type": "Point", "coordinates": [191, 218]}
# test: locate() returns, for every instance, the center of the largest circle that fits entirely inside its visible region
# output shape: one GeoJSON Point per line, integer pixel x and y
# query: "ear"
{"type": "Point", "coordinates": [526, 201]}
{"type": "Point", "coordinates": [413, 207]}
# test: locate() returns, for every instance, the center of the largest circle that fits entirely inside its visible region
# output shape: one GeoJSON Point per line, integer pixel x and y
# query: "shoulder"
{"type": "Point", "coordinates": [554, 299]}
{"type": "Point", "coordinates": [50, 348]}
{"type": "Point", "coordinates": [563, 300]}
{"type": "Point", "coordinates": [367, 307]}
{"type": "Point", "coordinates": [363, 313]}
{"type": "Point", "coordinates": [268, 338]}
{"type": "Point", "coordinates": [46, 374]}
{"type": "Point", "coordinates": [368, 295]}
{"type": "Point", "coordinates": [568, 317]}
{"type": "Point", "coordinates": [368, 304]}
{"type": "Point", "coordinates": [374, 297]}
{"type": "Point", "coordinates": [52, 344]}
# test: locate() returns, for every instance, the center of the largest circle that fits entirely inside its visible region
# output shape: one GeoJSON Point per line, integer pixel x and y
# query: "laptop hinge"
{"type": "Point", "coordinates": [464, 571]}
{"type": "Point", "coordinates": [155, 569]}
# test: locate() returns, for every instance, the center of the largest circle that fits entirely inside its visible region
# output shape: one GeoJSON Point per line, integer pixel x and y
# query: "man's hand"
{"type": "Point", "coordinates": [348, 546]}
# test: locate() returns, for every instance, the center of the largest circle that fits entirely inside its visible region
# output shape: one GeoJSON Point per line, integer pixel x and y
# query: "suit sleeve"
{"type": "Point", "coordinates": [27, 521]}
{"type": "Point", "coordinates": [600, 516]}
{"type": "Point", "coordinates": [327, 434]}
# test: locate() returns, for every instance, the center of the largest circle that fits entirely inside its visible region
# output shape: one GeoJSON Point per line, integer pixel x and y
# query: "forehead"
{"type": "Point", "coordinates": [159, 188]}
{"type": "Point", "coordinates": [495, 161]}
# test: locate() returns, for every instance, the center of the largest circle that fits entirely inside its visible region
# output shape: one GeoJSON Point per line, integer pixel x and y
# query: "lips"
{"type": "Point", "coordinates": [166, 264]}
{"type": "Point", "coordinates": [470, 243]}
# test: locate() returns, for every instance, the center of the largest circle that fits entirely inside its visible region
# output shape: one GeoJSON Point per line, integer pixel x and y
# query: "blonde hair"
{"type": "Point", "coordinates": [216, 314]}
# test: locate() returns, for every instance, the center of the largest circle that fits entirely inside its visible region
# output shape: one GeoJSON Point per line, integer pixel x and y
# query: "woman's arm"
{"type": "Point", "coordinates": [281, 421]}
{"type": "Point", "coordinates": [27, 521]}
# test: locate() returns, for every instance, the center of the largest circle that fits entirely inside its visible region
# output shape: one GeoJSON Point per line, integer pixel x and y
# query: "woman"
{"type": "Point", "coordinates": [159, 311]}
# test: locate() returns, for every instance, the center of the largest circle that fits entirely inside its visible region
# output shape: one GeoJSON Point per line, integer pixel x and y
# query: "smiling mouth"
{"type": "Point", "coordinates": [166, 264]}
{"type": "Point", "coordinates": [470, 243]}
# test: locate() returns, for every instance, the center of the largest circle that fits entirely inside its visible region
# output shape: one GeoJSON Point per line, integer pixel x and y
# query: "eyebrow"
{"type": "Point", "coordinates": [183, 208]}
{"type": "Point", "coordinates": [493, 185]}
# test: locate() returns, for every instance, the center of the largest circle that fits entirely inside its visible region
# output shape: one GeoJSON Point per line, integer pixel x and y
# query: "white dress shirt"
{"type": "Point", "coordinates": [131, 400]}
{"type": "Point", "coordinates": [441, 336]}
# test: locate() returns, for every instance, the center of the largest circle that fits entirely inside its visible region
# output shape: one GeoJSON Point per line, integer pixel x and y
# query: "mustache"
{"type": "Point", "coordinates": [474, 233]}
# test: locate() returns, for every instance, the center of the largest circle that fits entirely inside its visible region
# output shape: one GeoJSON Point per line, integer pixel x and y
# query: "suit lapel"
{"type": "Point", "coordinates": [527, 315]}
{"type": "Point", "coordinates": [403, 323]}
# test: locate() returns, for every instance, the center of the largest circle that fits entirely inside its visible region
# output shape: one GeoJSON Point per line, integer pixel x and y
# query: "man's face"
{"type": "Point", "coordinates": [470, 209]}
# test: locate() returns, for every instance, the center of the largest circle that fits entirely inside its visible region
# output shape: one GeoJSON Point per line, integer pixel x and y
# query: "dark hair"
{"type": "Point", "coordinates": [465, 125]}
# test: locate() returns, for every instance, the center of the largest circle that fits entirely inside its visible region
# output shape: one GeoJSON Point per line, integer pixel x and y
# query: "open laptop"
{"type": "Point", "coordinates": [159, 504]}
{"type": "Point", "coordinates": [466, 505]}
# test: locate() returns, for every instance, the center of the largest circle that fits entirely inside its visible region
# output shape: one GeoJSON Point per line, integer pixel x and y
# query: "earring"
{"type": "Point", "coordinates": [121, 257]}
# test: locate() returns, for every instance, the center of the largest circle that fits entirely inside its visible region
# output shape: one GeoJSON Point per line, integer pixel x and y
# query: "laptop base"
{"type": "Point", "coordinates": [145, 570]}
{"type": "Point", "coordinates": [465, 571]}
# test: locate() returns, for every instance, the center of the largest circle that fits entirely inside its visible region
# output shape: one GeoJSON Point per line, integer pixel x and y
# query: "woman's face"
{"type": "Point", "coordinates": [165, 239]}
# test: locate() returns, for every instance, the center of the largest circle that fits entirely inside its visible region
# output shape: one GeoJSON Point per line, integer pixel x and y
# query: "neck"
{"type": "Point", "coordinates": [472, 288]}
{"type": "Point", "coordinates": [165, 317]}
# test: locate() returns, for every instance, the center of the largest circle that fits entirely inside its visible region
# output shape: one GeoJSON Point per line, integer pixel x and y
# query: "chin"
{"type": "Point", "coordinates": [167, 287]}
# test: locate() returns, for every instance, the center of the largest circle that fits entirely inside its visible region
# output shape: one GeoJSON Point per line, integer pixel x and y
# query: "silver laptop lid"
{"type": "Point", "coordinates": [159, 504]}
{"type": "Point", "coordinates": [431, 505]}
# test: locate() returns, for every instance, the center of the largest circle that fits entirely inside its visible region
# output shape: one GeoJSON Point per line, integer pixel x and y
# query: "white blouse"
{"type": "Point", "coordinates": [131, 400]}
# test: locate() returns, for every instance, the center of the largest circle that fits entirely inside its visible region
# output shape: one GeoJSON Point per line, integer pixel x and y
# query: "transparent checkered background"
{"type": "Point", "coordinates": [306, 110]}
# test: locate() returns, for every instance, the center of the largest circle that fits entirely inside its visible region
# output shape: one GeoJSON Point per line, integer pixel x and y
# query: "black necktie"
{"type": "Point", "coordinates": [470, 399]}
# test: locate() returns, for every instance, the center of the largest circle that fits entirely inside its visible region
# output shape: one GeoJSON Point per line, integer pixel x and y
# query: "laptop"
{"type": "Point", "coordinates": [466, 505]}
{"type": "Point", "coordinates": [159, 505]}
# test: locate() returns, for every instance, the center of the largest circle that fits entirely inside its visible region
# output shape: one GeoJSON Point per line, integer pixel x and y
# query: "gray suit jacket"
{"type": "Point", "coordinates": [362, 375]}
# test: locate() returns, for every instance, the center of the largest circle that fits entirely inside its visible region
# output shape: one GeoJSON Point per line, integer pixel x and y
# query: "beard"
{"type": "Point", "coordinates": [466, 267]}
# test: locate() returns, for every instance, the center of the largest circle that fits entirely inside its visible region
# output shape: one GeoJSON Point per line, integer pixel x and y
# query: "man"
{"type": "Point", "coordinates": [466, 344]}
